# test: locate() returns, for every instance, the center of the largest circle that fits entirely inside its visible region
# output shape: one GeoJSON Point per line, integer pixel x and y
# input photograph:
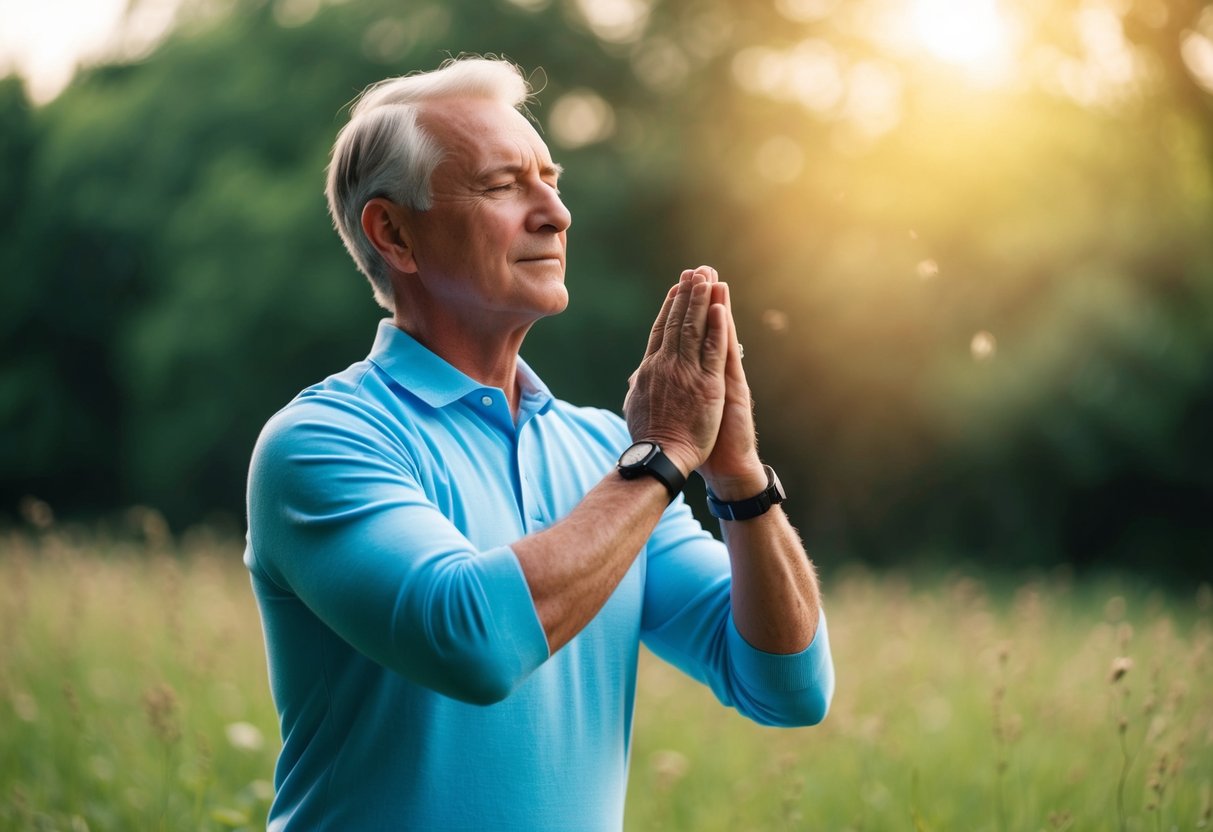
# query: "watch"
{"type": "Point", "coordinates": [646, 457]}
{"type": "Point", "coordinates": [754, 506]}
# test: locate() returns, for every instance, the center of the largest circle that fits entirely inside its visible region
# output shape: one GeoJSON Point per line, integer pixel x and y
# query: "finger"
{"type": "Point", "coordinates": [658, 330]}
{"type": "Point", "coordinates": [734, 369]}
{"type": "Point", "coordinates": [715, 339]}
{"type": "Point", "coordinates": [672, 333]}
{"type": "Point", "coordinates": [709, 273]}
{"type": "Point", "coordinates": [694, 324]}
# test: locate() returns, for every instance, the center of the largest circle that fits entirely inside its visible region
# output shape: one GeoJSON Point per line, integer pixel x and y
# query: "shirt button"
{"type": "Point", "coordinates": [486, 400]}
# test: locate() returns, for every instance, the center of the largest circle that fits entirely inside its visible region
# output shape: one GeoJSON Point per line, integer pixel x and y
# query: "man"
{"type": "Point", "coordinates": [454, 568]}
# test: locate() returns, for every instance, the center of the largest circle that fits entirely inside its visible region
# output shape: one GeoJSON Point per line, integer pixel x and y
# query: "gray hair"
{"type": "Point", "coordinates": [383, 152]}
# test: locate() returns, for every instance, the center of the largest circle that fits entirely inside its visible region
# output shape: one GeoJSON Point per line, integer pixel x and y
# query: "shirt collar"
{"type": "Point", "coordinates": [435, 381]}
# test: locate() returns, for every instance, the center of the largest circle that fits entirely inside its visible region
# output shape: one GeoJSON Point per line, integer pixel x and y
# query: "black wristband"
{"type": "Point", "coordinates": [752, 507]}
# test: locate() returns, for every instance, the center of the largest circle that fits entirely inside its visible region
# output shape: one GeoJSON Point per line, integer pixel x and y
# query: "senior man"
{"type": "Point", "coordinates": [454, 568]}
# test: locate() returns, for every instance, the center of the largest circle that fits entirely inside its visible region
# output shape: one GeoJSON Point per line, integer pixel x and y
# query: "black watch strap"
{"type": "Point", "coordinates": [752, 507]}
{"type": "Point", "coordinates": [647, 458]}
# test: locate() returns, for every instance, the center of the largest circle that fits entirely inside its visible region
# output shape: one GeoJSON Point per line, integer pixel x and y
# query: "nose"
{"type": "Point", "coordinates": [548, 212]}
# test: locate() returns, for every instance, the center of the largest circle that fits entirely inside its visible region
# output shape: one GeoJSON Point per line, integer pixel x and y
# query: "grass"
{"type": "Point", "coordinates": [133, 696]}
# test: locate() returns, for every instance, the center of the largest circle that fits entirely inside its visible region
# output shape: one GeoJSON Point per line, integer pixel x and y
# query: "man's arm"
{"type": "Point", "coordinates": [676, 399]}
{"type": "Point", "coordinates": [775, 598]}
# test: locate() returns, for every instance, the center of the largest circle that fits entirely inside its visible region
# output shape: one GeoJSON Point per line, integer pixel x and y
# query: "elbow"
{"type": "Point", "coordinates": [468, 637]}
{"type": "Point", "coordinates": [798, 709]}
{"type": "Point", "coordinates": [479, 677]}
{"type": "Point", "coordinates": [811, 708]}
{"type": "Point", "coordinates": [486, 683]}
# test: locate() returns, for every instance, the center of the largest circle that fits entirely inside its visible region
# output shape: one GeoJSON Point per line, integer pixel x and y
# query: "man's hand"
{"type": "Point", "coordinates": [677, 396]}
{"type": "Point", "coordinates": [733, 471]}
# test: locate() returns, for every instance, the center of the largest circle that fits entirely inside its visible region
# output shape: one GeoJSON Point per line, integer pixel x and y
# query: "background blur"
{"type": "Point", "coordinates": [971, 247]}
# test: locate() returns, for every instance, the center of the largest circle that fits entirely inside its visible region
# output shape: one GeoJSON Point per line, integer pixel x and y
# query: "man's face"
{"type": "Point", "coordinates": [492, 246]}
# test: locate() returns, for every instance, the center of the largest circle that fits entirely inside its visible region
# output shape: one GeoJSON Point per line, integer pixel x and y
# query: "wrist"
{"type": "Point", "coordinates": [740, 484]}
{"type": "Point", "coordinates": [747, 508]}
{"type": "Point", "coordinates": [686, 457]}
{"type": "Point", "coordinates": [646, 458]}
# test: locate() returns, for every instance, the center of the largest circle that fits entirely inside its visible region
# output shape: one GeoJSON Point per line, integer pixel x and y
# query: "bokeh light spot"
{"type": "Point", "coordinates": [1197, 51]}
{"type": "Point", "coordinates": [758, 69]}
{"type": "Point", "coordinates": [806, 11]}
{"type": "Point", "coordinates": [385, 40]}
{"type": "Point", "coordinates": [616, 21]}
{"type": "Point", "coordinates": [775, 320]}
{"type": "Point", "coordinates": [873, 103]}
{"type": "Point", "coordinates": [530, 5]}
{"type": "Point", "coordinates": [813, 75]}
{"type": "Point", "coordinates": [581, 117]}
{"type": "Point", "coordinates": [295, 12]}
{"type": "Point", "coordinates": [244, 736]}
{"type": "Point", "coordinates": [983, 346]}
{"type": "Point", "coordinates": [661, 65]}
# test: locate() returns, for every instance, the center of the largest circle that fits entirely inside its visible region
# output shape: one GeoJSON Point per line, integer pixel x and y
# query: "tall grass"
{"type": "Point", "coordinates": [133, 696]}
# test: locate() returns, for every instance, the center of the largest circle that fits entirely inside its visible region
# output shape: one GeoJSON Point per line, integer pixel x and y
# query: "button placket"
{"type": "Point", "coordinates": [532, 502]}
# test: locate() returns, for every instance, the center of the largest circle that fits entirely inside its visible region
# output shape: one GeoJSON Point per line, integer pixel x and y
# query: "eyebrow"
{"type": "Point", "coordinates": [552, 169]}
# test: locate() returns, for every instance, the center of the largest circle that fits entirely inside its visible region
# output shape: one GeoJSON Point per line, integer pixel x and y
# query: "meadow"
{"type": "Point", "coordinates": [133, 696]}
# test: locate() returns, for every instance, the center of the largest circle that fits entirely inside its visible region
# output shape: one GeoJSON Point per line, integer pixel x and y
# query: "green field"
{"type": "Point", "coordinates": [133, 696]}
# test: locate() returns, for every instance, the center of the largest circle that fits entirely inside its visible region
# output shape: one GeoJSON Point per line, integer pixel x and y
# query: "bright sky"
{"type": "Point", "coordinates": [44, 40]}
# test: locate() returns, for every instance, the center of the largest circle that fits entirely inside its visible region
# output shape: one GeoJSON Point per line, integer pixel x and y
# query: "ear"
{"type": "Point", "coordinates": [384, 223]}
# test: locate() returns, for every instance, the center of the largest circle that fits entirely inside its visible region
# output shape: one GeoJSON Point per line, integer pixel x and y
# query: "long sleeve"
{"type": "Point", "coordinates": [338, 518]}
{"type": "Point", "coordinates": [687, 621]}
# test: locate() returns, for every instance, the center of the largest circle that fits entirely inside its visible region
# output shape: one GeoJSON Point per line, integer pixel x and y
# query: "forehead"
{"type": "Point", "coordinates": [477, 133]}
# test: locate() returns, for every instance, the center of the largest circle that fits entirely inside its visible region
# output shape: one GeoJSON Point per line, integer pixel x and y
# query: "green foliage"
{"type": "Point", "coordinates": [976, 315]}
{"type": "Point", "coordinates": [134, 695]}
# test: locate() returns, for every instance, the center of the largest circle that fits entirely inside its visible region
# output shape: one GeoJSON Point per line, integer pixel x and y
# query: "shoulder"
{"type": "Point", "coordinates": [350, 409]}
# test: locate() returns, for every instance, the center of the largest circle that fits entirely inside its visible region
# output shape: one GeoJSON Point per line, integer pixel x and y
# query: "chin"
{"type": "Point", "coordinates": [559, 302]}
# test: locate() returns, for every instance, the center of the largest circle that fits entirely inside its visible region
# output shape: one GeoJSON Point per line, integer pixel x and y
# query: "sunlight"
{"type": "Point", "coordinates": [45, 42]}
{"type": "Point", "coordinates": [961, 31]}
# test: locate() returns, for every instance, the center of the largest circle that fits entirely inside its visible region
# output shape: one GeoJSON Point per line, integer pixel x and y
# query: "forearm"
{"type": "Point", "coordinates": [573, 566]}
{"type": "Point", "coordinates": [775, 597]}
{"type": "Point", "coordinates": [776, 603]}
{"type": "Point", "coordinates": [674, 398]}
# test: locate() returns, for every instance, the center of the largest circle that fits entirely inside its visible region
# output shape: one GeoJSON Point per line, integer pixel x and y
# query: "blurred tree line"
{"type": "Point", "coordinates": [976, 309]}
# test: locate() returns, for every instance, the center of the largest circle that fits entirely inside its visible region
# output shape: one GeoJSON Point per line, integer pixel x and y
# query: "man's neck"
{"type": "Point", "coordinates": [489, 358]}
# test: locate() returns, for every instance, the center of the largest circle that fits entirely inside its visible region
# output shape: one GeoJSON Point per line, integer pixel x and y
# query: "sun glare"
{"type": "Point", "coordinates": [969, 32]}
{"type": "Point", "coordinates": [45, 41]}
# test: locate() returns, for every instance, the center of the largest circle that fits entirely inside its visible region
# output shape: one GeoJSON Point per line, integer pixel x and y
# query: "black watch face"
{"type": "Point", "coordinates": [636, 454]}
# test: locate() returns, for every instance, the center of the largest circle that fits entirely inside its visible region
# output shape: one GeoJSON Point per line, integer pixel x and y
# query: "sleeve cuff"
{"type": "Point", "coordinates": [518, 625]}
{"type": "Point", "coordinates": [811, 667]}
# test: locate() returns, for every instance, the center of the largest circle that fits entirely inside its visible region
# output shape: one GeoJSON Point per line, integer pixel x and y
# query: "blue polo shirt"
{"type": "Point", "coordinates": [407, 663]}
